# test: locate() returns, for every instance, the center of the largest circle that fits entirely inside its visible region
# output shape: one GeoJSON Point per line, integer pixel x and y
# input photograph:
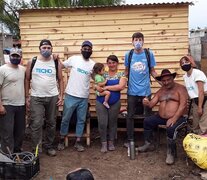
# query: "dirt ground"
{"type": "Point", "coordinates": [116, 165]}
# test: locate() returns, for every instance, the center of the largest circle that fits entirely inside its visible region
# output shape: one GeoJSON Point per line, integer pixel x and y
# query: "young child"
{"type": "Point", "coordinates": [98, 71]}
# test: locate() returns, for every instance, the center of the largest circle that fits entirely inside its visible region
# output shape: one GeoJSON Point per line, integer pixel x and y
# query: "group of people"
{"type": "Point", "coordinates": [43, 93]}
{"type": "Point", "coordinates": [34, 89]}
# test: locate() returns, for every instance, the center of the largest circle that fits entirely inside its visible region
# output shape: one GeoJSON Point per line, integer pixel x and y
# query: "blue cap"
{"type": "Point", "coordinates": [87, 43]}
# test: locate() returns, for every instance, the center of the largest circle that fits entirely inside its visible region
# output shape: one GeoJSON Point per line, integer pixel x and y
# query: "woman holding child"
{"type": "Point", "coordinates": [107, 117]}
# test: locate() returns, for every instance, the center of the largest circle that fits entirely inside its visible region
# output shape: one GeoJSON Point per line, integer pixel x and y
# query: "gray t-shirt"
{"type": "Point", "coordinates": [12, 90]}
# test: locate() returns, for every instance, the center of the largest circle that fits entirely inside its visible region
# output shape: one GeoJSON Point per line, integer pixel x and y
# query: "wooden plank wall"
{"type": "Point", "coordinates": [110, 29]}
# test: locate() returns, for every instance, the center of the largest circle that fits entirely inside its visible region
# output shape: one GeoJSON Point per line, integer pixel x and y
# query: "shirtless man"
{"type": "Point", "coordinates": [173, 101]}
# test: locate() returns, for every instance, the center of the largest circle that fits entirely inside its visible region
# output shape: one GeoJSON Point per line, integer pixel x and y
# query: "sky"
{"type": "Point", "coordinates": [197, 12]}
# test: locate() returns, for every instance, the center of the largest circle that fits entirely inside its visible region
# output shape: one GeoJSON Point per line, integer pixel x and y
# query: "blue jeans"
{"type": "Point", "coordinates": [150, 123]}
{"type": "Point", "coordinates": [72, 103]}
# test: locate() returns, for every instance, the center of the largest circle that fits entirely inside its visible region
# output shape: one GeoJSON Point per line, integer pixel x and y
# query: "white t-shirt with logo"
{"type": "Point", "coordinates": [80, 73]}
{"type": "Point", "coordinates": [44, 82]}
{"type": "Point", "coordinates": [191, 85]}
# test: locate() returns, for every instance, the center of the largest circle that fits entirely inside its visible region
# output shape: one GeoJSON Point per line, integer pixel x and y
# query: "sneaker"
{"type": "Point", "coordinates": [51, 152]}
{"type": "Point", "coordinates": [111, 146]}
{"type": "Point", "coordinates": [145, 147]}
{"type": "Point", "coordinates": [104, 147]}
{"type": "Point", "coordinates": [106, 105]}
{"type": "Point", "coordinates": [61, 145]}
{"type": "Point", "coordinates": [79, 146]}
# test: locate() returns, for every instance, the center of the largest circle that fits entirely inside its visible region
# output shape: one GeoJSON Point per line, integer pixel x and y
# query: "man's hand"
{"type": "Point", "coordinates": [145, 101]}
{"type": "Point", "coordinates": [56, 56]}
{"type": "Point", "coordinates": [170, 122]}
{"type": "Point", "coordinates": [200, 111]}
{"type": "Point", "coordinates": [2, 110]}
{"type": "Point", "coordinates": [60, 101]}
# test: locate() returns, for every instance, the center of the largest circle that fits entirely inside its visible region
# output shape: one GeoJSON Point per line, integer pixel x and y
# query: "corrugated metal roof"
{"type": "Point", "coordinates": [122, 5]}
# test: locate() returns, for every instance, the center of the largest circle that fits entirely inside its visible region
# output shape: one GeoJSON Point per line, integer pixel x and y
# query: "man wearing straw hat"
{"type": "Point", "coordinates": [172, 98]}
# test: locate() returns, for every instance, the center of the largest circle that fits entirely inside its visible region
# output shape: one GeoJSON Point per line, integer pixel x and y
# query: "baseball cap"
{"type": "Point", "coordinates": [15, 51]}
{"type": "Point", "coordinates": [45, 42]}
{"type": "Point", "coordinates": [87, 43]}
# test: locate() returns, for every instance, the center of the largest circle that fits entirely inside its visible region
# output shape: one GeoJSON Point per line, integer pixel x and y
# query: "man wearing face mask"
{"type": "Point", "coordinates": [138, 72]}
{"type": "Point", "coordinates": [44, 78]}
{"type": "Point", "coordinates": [196, 85]}
{"type": "Point", "coordinates": [77, 93]}
{"type": "Point", "coordinates": [12, 103]}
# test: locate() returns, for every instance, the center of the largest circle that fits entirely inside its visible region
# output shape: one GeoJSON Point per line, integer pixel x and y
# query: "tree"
{"type": "Point", "coordinates": [53, 3]}
{"type": "Point", "coordinates": [97, 2]}
{"type": "Point", "coordinates": [9, 15]}
{"type": "Point", "coordinates": [9, 18]}
{"type": "Point", "coordinates": [71, 3]}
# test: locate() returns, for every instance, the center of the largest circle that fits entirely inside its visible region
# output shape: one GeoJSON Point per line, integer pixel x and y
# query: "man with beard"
{"type": "Point", "coordinates": [12, 103]}
{"type": "Point", "coordinates": [77, 93]}
{"type": "Point", "coordinates": [172, 98]}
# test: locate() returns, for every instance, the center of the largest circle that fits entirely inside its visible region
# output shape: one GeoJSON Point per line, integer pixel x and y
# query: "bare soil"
{"type": "Point", "coordinates": [116, 165]}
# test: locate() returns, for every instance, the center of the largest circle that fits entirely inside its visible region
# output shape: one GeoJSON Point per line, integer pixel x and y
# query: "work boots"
{"type": "Point", "coordinates": [171, 151]}
{"type": "Point", "coordinates": [147, 143]}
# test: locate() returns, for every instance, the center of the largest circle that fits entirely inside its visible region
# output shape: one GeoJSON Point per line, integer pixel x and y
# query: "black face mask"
{"type": "Point", "coordinates": [15, 60]}
{"type": "Point", "coordinates": [86, 54]}
{"type": "Point", "coordinates": [186, 67]}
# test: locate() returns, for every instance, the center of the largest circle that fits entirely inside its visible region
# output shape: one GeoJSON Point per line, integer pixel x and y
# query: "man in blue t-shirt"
{"type": "Point", "coordinates": [138, 72]}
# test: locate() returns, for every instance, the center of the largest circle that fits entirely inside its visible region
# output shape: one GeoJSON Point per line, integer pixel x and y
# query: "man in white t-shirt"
{"type": "Point", "coordinates": [77, 93]}
{"type": "Point", "coordinates": [12, 103]}
{"type": "Point", "coordinates": [44, 77]}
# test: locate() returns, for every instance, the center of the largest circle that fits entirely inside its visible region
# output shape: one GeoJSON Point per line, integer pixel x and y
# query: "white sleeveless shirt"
{"type": "Point", "coordinates": [43, 82]}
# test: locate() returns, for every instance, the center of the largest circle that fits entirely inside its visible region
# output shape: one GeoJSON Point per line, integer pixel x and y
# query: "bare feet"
{"type": "Point", "coordinates": [106, 105]}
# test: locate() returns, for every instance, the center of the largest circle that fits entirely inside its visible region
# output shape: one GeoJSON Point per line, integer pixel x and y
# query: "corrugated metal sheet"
{"type": "Point", "coordinates": [122, 5]}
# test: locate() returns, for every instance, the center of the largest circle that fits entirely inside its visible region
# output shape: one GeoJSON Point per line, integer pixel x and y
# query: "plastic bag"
{"type": "Point", "coordinates": [196, 148]}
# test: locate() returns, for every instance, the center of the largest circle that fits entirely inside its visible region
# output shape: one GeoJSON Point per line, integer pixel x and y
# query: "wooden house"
{"type": "Point", "coordinates": [109, 28]}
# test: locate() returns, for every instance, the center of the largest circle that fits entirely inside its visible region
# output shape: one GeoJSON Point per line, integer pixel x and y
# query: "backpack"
{"type": "Point", "coordinates": [147, 54]}
{"type": "Point", "coordinates": [34, 59]}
